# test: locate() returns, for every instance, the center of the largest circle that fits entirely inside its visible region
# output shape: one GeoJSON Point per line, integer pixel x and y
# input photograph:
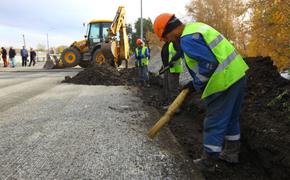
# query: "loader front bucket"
{"type": "Point", "coordinates": [54, 63]}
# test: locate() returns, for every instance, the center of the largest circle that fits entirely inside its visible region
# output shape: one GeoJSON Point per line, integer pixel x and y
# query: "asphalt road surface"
{"type": "Point", "coordinates": [50, 130]}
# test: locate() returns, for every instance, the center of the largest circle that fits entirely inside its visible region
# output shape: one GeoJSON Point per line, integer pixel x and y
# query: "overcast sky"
{"type": "Point", "coordinates": [63, 19]}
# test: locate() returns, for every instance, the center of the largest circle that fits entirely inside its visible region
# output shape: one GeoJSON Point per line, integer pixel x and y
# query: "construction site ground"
{"type": "Point", "coordinates": [265, 117]}
{"type": "Point", "coordinates": [54, 130]}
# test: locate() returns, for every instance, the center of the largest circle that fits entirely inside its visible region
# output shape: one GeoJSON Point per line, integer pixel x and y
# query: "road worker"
{"type": "Point", "coordinates": [218, 71]}
{"type": "Point", "coordinates": [142, 60]}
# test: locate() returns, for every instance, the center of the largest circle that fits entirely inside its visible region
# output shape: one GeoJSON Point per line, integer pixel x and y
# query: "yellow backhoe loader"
{"type": "Point", "coordinates": [106, 41]}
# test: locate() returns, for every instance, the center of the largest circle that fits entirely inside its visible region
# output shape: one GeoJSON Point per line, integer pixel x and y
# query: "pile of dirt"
{"type": "Point", "coordinates": [265, 120]}
{"type": "Point", "coordinates": [265, 125]}
{"type": "Point", "coordinates": [104, 74]}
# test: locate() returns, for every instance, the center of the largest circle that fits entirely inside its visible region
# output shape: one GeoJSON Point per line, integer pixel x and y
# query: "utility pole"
{"type": "Point", "coordinates": [47, 43]}
{"type": "Point", "coordinates": [141, 26]}
{"type": "Point", "coordinates": [24, 40]}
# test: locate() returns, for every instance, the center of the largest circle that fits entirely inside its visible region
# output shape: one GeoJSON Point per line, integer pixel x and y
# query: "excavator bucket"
{"type": "Point", "coordinates": [52, 63]}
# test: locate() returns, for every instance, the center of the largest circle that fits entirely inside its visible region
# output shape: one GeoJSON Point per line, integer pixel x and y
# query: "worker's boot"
{"type": "Point", "coordinates": [206, 163]}
{"type": "Point", "coordinates": [147, 84]}
{"type": "Point", "coordinates": [230, 152]}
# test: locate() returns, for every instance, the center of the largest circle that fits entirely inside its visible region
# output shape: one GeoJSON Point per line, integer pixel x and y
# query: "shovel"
{"type": "Point", "coordinates": [162, 71]}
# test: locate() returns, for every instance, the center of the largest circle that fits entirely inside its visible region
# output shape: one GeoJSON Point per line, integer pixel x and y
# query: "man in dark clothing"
{"type": "Point", "coordinates": [4, 56]}
{"type": "Point", "coordinates": [12, 54]}
{"type": "Point", "coordinates": [170, 55]}
{"type": "Point", "coordinates": [32, 56]}
{"type": "Point", "coordinates": [24, 55]}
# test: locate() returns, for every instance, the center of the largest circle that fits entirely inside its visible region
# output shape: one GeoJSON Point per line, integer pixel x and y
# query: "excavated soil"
{"type": "Point", "coordinates": [104, 74]}
{"type": "Point", "coordinates": [265, 118]}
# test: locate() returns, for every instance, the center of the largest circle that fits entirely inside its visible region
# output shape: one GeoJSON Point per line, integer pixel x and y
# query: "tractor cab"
{"type": "Point", "coordinates": [98, 32]}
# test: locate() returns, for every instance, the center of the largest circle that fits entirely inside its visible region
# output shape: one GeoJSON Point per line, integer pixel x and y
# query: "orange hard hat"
{"type": "Point", "coordinates": [161, 22]}
{"type": "Point", "coordinates": [139, 41]}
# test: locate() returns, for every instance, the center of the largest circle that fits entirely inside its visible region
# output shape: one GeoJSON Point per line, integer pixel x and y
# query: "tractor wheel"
{"type": "Point", "coordinates": [70, 57]}
{"type": "Point", "coordinates": [84, 64]}
{"type": "Point", "coordinates": [98, 57]}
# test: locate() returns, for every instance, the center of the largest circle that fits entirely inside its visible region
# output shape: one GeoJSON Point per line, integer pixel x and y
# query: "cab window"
{"type": "Point", "coordinates": [106, 27]}
{"type": "Point", "coordinates": [94, 31]}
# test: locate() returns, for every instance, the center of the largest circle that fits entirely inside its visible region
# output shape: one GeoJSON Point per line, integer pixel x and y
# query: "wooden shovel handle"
{"type": "Point", "coordinates": [169, 113]}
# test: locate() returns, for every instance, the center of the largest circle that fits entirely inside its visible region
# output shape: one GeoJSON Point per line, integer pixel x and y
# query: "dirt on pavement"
{"type": "Point", "coordinates": [265, 119]}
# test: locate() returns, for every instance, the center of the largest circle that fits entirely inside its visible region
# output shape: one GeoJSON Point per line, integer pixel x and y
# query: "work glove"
{"type": "Point", "coordinates": [189, 85]}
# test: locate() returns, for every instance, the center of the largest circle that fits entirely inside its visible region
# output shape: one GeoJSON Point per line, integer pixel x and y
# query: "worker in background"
{"type": "Point", "coordinates": [142, 60]}
{"type": "Point", "coordinates": [24, 56]}
{"type": "Point", "coordinates": [218, 71]}
{"type": "Point", "coordinates": [12, 55]}
{"type": "Point", "coordinates": [171, 57]}
{"type": "Point", "coordinates": [4, 56]}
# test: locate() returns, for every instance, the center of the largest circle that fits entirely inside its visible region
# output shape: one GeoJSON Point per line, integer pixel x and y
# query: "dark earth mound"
{"type": "Point", "coordinates": [104, 74]}
{"type": "Point", "coordinates": [265, 119]}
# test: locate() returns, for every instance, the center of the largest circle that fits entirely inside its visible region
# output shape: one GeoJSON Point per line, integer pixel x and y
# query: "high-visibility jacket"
{"type": "Point", "coordinates": [145, 59]}
{"type": "Point", "coordinates": [177, 68]}
{"type": "Point", "coordinates": [231, 65]}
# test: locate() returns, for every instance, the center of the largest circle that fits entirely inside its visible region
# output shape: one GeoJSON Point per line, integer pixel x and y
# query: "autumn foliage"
{"type": "Point", "coordinates": [256, 27]}
{"type": "Point", "coordinates": [270, 35]}
{"type": "Point", "coordinates": [219, 14]}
